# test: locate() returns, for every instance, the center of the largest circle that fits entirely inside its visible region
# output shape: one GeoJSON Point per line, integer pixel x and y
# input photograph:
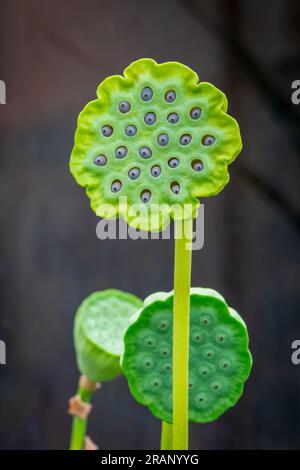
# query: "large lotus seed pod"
{"type": "Point", "coordinates": [153, 141]}
{"type": "Point", "coordinates": [100, 323]}
{"type": "Point", "coordinates": [219, 361]}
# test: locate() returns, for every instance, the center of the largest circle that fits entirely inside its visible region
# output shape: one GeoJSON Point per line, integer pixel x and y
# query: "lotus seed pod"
{"type": "Point", "coordinates": [154, 112]}
{"type": "Point", "coordinates": [99, 326]}
{"type": "Point", "coordinates": [219, 359]}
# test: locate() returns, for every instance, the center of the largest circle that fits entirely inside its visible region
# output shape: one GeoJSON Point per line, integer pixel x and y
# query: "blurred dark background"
{"type": "Point", "coordinates": [53, 54]}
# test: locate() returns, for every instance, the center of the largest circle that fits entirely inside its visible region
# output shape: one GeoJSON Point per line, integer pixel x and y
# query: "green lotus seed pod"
{"type": "Point", "coordinates": [99, 326]}
{"type": "Point", "coordinates": [219, 359]}
{"type": "Point", "coordinates": [155, 137]}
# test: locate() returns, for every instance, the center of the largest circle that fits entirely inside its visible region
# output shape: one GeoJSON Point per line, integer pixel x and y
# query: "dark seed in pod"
{"type": "Point", "coordinates": [175, 188]}
{"type": "Point", "coordinates": [146, 93]}
{"type": "Point", "coordinates": [145, 196]}
{"type": "Point", "coordinates": [130, 130]}
{"type": "Point", "coordinates": [150, 118]}
{"type": "Point", "coordinates": [163, 139]}
{"type": "Point", "coordinates": [173, 118]}
{"type": "Point", "coordinates": [170, 96]}
{"type": "Point", "coordinates": [156, 170]}
{"type": "Point", "coordinates": [116, 186]}
{"type": "Point", "coordinates": [208, 140]}
{"type": "Point", "coordinates": [100, 160]}
{"type": "Point", "coordinates": [145, 152]}
{"type": "Point", "coordinates": [121, 152]}
{"type": "Point", "coordinates": [195, 113]}
{"type": "Point", "coordinates": [197, 165]}
{"type": "Point", "coordinates": [124, 107]}
{"type": "Point", "coordinates": [173, 162]}
{"type": "Point", "coordinates": [185, 139]}
{"type": "Point", "coordinates": [134, 173]}
{"type": "Point", "coordinates": [106, 131]}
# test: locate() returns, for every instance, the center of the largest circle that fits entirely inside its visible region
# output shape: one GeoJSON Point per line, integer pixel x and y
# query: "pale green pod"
{"type": "Point", "coordinates": [99, 326]}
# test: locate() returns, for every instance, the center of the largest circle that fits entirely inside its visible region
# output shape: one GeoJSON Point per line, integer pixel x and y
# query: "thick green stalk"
{"type": "Point", "coordinates": [166, 436]}
{"type": "Point", "coordinates": [181, 324]}
{"type": "Point", "coordinates": [79, 425]}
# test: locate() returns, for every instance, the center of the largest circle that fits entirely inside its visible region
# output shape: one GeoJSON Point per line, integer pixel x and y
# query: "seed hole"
{"type": "Point", "coordinates": [195, 113]}
{"type": "Point", "coordinates": [175, 187]}
{"type": "Point", "coordinates": [146, 93]}
{"type": "Point", "coordinates": [121, 152]}
{"type": "Point", "coordinates": [130, 130]}
{"type": "Point", "coordinates": [145, 196]}
{"type": "Point", "coordinates": [156, 170]}
{"type": "Point", "coordinates": [116, 186]}
{"type": "Point", "coordinates": [156, 382]}
{"type": "Point", "coordinates": [100, 160]}
{"type": "Point", "coordinates": [145, 152]}
{"type": "Point", "coordinates": [148, 362]}
{"type": "Point", "coordinates": [124, 107]}
{"type": "Point", "coordinates": [173, 118]}
{"type": "Point", "coordinates": [106, 131]}
{"type": "Point", "coordinates": [170, 96]}
{"type": "Point", "coordinates": [173, 162]}
{"type": "Point", "coordinates": [134, 173]}
{"type": "Point", "coordinates": [208, 140]}
{"type": "Point", "coordinates": [163, 139]}
{"type": "Point", "coordinates": [197, 165]}
{"type": "Point", "coordinates": [150, 118]}
{"type": "Point", "coordinates": [185, 139]}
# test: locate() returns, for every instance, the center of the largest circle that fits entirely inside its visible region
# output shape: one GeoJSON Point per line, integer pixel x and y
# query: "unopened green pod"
{"type": "Point", "coordinates": [99, 326]}
{"type": "Point", "coordinates": [219, 358]}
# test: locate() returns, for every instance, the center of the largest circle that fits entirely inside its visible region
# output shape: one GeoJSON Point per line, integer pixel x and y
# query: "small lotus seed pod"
{"type": "Point", "coordinates": [124, 106]}
{"type": "Point", "coordinates": [99, 325]}
{"type": "Point", "coordinates": [100, 160]}
{"type": "Point", "coordinates": [159, 107]}
{"type": "Point", "coordinates": [214, 385]}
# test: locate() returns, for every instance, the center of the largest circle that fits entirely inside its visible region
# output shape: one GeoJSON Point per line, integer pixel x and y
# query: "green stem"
{"type": "Point", "coordinates": [181, 323]}
{"type": "Point", "coordinates": [166, 436]}
{"type": "Point", "coordinates": [79, 425]}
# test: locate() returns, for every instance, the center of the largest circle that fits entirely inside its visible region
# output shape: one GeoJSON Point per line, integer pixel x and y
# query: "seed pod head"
{"type": "Point", "coordinates": [219, 359]}
{"type": "Point", "coordinates": [99, 327]}
{"type": "Point", "coordinates": [164, 109]}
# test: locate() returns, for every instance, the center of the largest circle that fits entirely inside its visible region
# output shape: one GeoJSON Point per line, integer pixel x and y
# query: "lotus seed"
{"type": "Point", "coordinates": [163, 139]}
{"type": "Point", "coordinates": [197, 165]}
{"type": "Point", "coordinates": [156, 382]}
{"type": "Point", "coordinates": [173, 118]}
{"type": "Point", "coordinates": [106, 131]}
{"type": "Point", "coordinates": [170, 96]}
{"type": "Point", "coordinates": [150, 341]}
{"type": "Point", "coordinates": [121, 152]}
{"type": "Point", "coordinates": [145, 152]}
{"type": "Point", "coordinates": [116, 186]}
{"type": "Point", "coordinates": [134, 173]}
{"type": "Point", "coordinates": [130, 130]}
{"type": "Point", "coordinates": [208, 140]}
{"type": "Point", "coordinates": [205, 320]}
{"type": "Point", "coordinates": [200, 397]}
{"type": "Point", "coordinates": [173, 162]}
{"type": "Point", "coordinates": [185, 139]}
{"type": "Point", "coordinates": [145, 196]}
{"type": "Point", "coordinates": [148, 362]}
{"type": "Point", "coordinates": [124, 107]}
{"type": "Point", "coordinates": [163, 325]}
{"type": "Point", "coordinates": [195, 113]}
{"type": "Point", "coordinates": [146, 93]}
{"type": "Point", "coordinates": [175, 188]}
{"type": "Point", "coordinates": [155, 170]}
{"type": "Point", "coordinates": [100, 160]}
{"type": "Point", "coordinates": [197, 337]}
{"type": "Point", "coordinates": [150, 118]}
